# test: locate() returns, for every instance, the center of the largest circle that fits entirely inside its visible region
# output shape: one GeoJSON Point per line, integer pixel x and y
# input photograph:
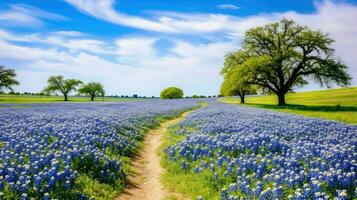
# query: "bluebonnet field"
{"type": "Point", "coordinates": [251, 153]}
{"type": "Point", "coordinates": [45, 147]}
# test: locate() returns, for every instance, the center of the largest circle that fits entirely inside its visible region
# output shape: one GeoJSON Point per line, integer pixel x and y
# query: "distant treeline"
{"type": "Point", "coordinates": [201, 96]}
{"type": "Point", "coordinates": [108, 96]}
{"type": "Point", "coordinates": [24, 93]}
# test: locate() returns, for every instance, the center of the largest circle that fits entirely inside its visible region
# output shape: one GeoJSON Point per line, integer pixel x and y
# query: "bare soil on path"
{"type": "Point", "coordinates": [144, 180]}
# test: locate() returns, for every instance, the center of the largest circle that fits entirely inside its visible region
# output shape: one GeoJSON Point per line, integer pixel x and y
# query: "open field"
{"type": "Point", "coordinates": [217, 151]}
{"type": "Point", "coordinates": [140, 100]}
{"type": "Point", "coordinates": [75, 150]}
{"type": "Point", "coordinates": [224, 151]}
{"type": "Point", "coordinates": [333, 104]}
{"type": "Point", "coordinates": [5, 98]}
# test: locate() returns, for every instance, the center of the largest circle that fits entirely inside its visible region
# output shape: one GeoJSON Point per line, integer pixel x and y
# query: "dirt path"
{"type": "Point", "coordinates": [144, 181]}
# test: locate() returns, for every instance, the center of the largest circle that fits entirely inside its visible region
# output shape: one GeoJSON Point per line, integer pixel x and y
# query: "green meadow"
{"type": "Point", "coordinates": [332, 104]}
{"type": "Point", "coordinates": [21, 99]}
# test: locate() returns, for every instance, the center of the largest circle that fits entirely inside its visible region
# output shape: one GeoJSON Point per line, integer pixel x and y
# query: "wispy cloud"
{"type": "Point", "coordinates": [132, 60]}
{"type": "Point", "coordinates": [227, 7]}
{"type": "Point", "coordinates": [169, 23]}
{"type": "Point", "coordinates": [135, 60]}
{"type": "Point", "coordinates": [70, 33]}
{"type": "Point", "coordinates": [25, 15]}
{"type": "Point", "coordinates": [36, 12]}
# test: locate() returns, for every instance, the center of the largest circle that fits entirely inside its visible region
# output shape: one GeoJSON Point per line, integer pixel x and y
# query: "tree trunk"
{"type": "Point", "coordinates": [242, 99]}
{"type": "Point", "coordinates": [92, 97]}
{"type": "Point", "coordinates": [281, 99]}
{"type": "Point", "coordinates": [65, 97]}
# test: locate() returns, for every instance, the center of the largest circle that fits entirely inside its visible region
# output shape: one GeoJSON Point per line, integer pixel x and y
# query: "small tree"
{"type": "Point", "coordinates": [233, 86]}
{"type": "Point", "coordinates": [171, 93]}
{"type": "Point", "coordinates": [235, 80]}
{"type": "Point", "coordinates": [92, 89]}
{"type": "Point", "coordinates": [7, 78]}
{"type": "Point", "coordinates": [281, 56]}
{"type": "Point", "coordinates": [65, 86]}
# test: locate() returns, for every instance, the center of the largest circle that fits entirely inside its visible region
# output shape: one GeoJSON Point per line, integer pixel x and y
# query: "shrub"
{"type": "Point", "coordinates": [171, 93]}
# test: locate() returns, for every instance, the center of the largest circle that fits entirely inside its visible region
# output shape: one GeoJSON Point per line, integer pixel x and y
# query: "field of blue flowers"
{"type": "Point", "coordinates": [237, 152]}
{"type": "Point", "coordinates": [45, 148]}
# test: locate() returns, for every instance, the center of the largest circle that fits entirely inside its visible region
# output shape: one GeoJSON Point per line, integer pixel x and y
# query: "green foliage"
{"type": "Point", "coordinates": [281, 56]}
{"type": "Point", "coordinates": [235, 80]}
{"type": "Point", "coordinates": [234, 59]}
{"type": "Point", "coordinates": [171, 93]}
{"type": "Point", "coordinates": [59, 84]}
{"type": "Point", "coordinates": [198, 96]}
{"type": "Point", "coordinates": [92, 89]}
{"type": "Point", "coordinates": [101, 191]}
{"type": "Point", "coordinates": [333, 104]}
{"type": "Point", "coordinates": [7, 78]}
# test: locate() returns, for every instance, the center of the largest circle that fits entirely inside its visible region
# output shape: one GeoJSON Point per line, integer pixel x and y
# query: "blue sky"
{"type": "Point", "coordinates": [142, 46]}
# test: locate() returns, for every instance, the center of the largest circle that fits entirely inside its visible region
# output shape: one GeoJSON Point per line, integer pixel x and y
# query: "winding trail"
{"type": "Point", "coordinates": [144, 180]}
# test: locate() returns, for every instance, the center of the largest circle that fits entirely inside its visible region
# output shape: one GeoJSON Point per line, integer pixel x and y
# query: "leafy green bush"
{"type": "Point", "coordinates": [171, 93]}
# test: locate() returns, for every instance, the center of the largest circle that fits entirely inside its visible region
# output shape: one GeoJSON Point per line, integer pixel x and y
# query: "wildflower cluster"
{"type": "Point", "coordinates": [44, 147]}
{"type": "Point", "coordinates": [259, 154]}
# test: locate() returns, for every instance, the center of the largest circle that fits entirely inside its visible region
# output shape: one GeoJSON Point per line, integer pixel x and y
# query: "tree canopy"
{"type": "Point", "coordinates": [60, 84]}
{"type": "Point", "coordinates": [7, 78]}
{"type": "Point", "coordinates": [235, 78]}
{"type": "Point", "coordinates": [284, 55]}
{"type": "Point", "coordinates": [171, 93]}
{"type": "Point", "coordinates": [93, 89]}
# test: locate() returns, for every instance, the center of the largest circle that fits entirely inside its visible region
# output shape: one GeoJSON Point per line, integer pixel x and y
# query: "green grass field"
{"type": "Point", "coordinates": [5, 98]}
{"type": "Point", "coordinates": [333, 104]}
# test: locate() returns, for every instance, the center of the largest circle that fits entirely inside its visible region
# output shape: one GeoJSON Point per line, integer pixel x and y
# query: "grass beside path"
{"type": "Point", "coordinates": [103, 191]}
{"type": "Point", "coordinates": [332, 104]}
{"type": "Point", "coordinates": [184, 184]}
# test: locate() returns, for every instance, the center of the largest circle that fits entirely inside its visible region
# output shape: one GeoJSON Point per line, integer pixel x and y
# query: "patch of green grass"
{"type": "Point", "coordinates": [184, 182]}
{"type": "Point", "coordinates": [101, 191]}
{"type": "Point", "coordinates": [333, 104]}
{"type": "Point", "coordinates": [5, 98]}
{"type": "Point", "coordinates": [188, 183]}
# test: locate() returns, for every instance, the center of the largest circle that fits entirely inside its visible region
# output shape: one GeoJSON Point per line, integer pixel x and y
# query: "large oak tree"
{"type": "Point", "coordinates": [284, 55]}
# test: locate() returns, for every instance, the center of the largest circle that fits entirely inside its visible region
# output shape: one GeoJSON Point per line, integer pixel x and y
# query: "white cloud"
{"type": "Point", "coordinates": [69, 40]}
{"type": "Point", "coordinates": [77, 45]}
{"type": "Point", "coordinates": [133, 64]}
{"type": "Point", "coordinates": [70, 33]}
{"type": "Point", "coordinates": [104, 10]}
{"type": "Point", "coordinates": [169, 23]}
{"type": "Point", "coordinates": [137, 67]}
{"type": "Point", "coordinates": [5, 35]}
{"type": "Point", "coordinates": [25, 15]}
{"type": "Point", "coordinates": [18, 18]}
{"type": "Point", "coordinates": [26, 9]}
{"type": "Point", "coordinates": [227, 7]}
{"type": "Point", "coordinates": [173, 22]}
{"type": "Point", "coordinates": [136, 46]}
